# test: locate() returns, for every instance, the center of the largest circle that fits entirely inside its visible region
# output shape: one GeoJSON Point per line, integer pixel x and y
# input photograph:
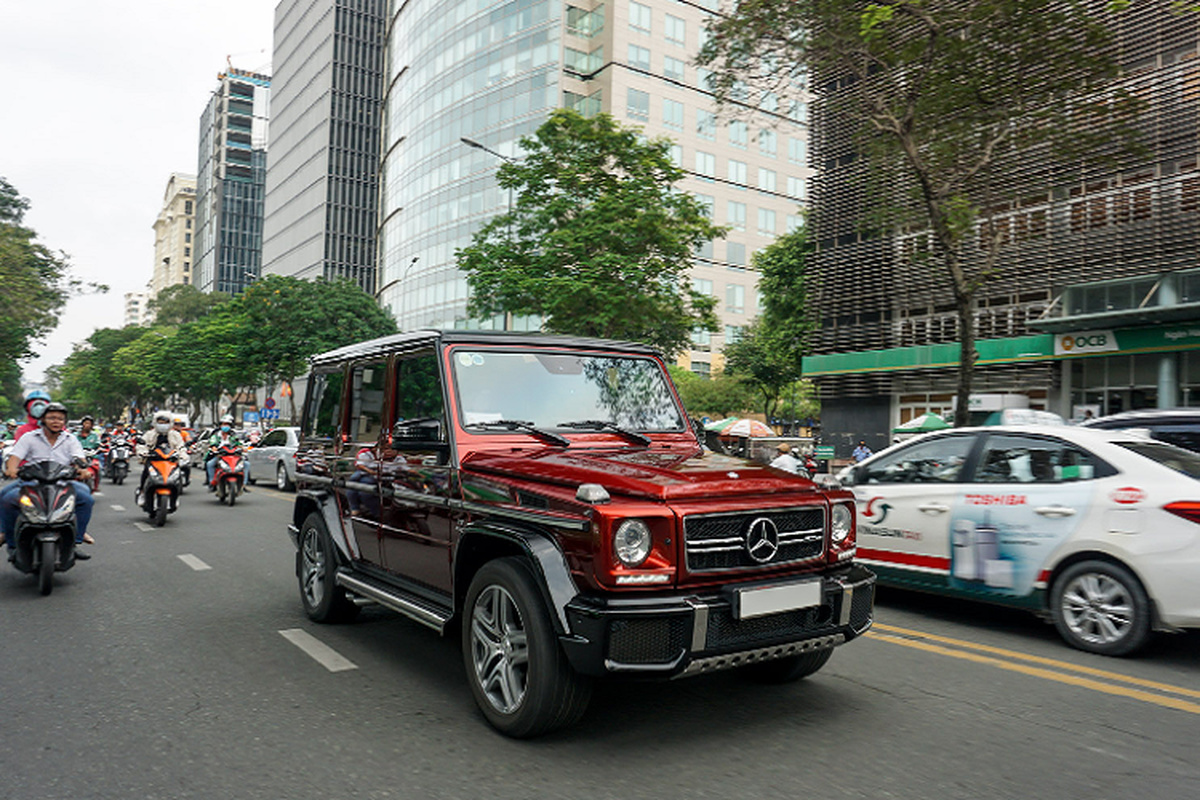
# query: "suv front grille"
{"type": "Point", "coordinates": [717, 542]}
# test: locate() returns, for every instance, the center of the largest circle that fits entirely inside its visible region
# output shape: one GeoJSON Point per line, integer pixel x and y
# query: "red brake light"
{"type": "Point", "coordinates": [1188, 509]}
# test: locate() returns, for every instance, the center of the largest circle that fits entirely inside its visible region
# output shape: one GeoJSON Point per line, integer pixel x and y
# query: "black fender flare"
{"type": "Point", "coordinates": [549, 563]}
{"type": "Point", "coordinates": [325, 504]}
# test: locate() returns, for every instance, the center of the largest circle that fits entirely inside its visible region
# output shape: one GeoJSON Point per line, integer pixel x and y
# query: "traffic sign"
{"type": "Point", "coordinates": [269, 402]}
{"type": "Point", "coordinates": [823, 452]}
{"type": "Point", "coordinates": [269, 413]}
{"type": "Point", "coordinates": [249, 416]}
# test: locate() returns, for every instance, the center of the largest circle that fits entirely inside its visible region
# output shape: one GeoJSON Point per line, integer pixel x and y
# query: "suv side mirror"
{"type": "Point", "coordinates": [419, 429]}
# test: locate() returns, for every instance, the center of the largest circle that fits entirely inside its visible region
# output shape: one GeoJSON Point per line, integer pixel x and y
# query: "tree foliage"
{"type": "Point", "coordinates": [35, 283]}
{"type": "Point", "coordinates": [786, 287]}
{"type": "Point", "coordinates": [951, 98]}
{"type": "Point", "coordinates": [182, 303]}
{"type": "Point", "coordinates": [598, 243]}
{"type": "Point", "coordinates": [763, 361]}
{"type": "Point", "coordinates": [719, 395]}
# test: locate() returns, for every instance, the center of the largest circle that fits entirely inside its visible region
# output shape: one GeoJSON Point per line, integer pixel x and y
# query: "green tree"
{"type": "Point", "coordinates": [182, 303]}
{"type": "Point", "coordinates": [786, 289]}
{"type": "Point", "coordinates": [761, 360]}
{"type": "Point", "coordinates": [952, 98]}
{"type": "Point", "coordinates": [89, 380]}
{"type": "Point", "coordinates": [35, 283]}
{"type": "Point", "coordinates": [599, 243]}
{"type": "Point", "coordinates": [719, 395]}
{"type": "Point", "coordinates": [287, 320]}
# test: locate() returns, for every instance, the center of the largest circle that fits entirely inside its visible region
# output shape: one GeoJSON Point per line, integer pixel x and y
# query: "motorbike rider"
{"type": "Point", "coordinates": [89, 439]}
{"type": "Point", "coordinates": [223, 435]}
{"type": "Point", "coordinates": [35, 404]}
{"type": "Point", "coordinates": [162, 436]}
{"type": "Point", "coordinates": [10, 431]}
{"type": "Point", "coordinates": [786, 460]}
{"type": "Point", "coordinates": [50, 442]}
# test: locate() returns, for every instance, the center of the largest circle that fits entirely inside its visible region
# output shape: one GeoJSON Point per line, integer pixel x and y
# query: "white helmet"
{"type": "Point", "coordinates": [162, 416]}
{"type": "Point", "coordinates": [227, 419]}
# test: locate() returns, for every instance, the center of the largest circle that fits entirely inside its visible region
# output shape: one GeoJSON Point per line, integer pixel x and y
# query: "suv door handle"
{"type": "Point", "coordinates": [1055, 511]}
{"type": "Point", "coordinates": [934, 508]}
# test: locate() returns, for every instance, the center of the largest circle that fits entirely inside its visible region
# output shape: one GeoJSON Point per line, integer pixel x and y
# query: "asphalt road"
{"type": "Point", "coordinates": [167, 667]}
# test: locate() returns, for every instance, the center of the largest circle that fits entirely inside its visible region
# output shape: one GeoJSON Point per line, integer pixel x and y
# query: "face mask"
{"type": "Point", "coordinates": [37, 409]}
{"type": "Point", "coordinates": [162, 427]}
{"type": "Point", "coordinates": [226, 428]}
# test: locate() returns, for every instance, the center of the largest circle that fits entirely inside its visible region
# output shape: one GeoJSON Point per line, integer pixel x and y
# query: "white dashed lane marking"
{"type": "Point", "coordinates": [320, 652]}
{"type": "Point", "coordinates": [194, 562]}
{"type": "Point", "coordinates": [117, 508]}
{"type": "Point", "coordinates": [142, 526]}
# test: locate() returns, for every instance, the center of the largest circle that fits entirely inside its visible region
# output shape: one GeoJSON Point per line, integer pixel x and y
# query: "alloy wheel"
{"type": "Point", "coordinates": [312, 567]}
{"type": "Point", "coordinates": [499, 649]}
{"type": "Point", "coordinates": [1097, 608]}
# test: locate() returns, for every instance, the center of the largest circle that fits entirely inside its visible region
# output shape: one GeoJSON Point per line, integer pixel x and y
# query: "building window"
{"type": "Point", "coordinates": [706, 164]}
{"type": "Point", "coordinates": [796, 150]}
{"type": "Point", "coordinates": [675, 153]}
{"type": "Point", "coordinates": [187, 207]}
{"type": "Point", "coordinates": [735, 255]}
{"type": "Point", "coordinates": [733, 334]}
{"type": "Point", "coordinates": [187, 265]}
{"type": "Point", "coordinates": [676, 31]}
{"type": "Point", "coordinates": [739, 133]}
{"type": "Point", "coordinates": [737, 215]}
{"type": "Point", "coordinates": [706, 124]}
{"type": "Point", "coordinates": [707, 202]}
{"type": "Point", "coordinates": [187, 251]}
{"type": "Point", "coordinates": [735, 298]}
{"type": "Point", "coordinates": [639, 18]}
{"type": "Point", "coordinates": [737, 174]}
{"type": "Point", "coordinates": [794, 222]}
{"type": "Point", "coordinates": [702, 286]}
{"type": "Point", "coordinates": [766, 179]}
{"type": "Point", "coordinates": [704, 79]}
{"type": "Point", "coordinates": [766, 222]}
{"type": "Point", "coordinates": [702, 367]}
{"type": "Point", "coordinates": [187, 238]}
{"type": "Point", "coordinates": [673, 69]}
{"type": "Point", "coordinates": [767, 142]}
{"type": "Point", "coordinates": [704, 252]}
{"type": "Point", "coordinates": [795, 187]}
{"type": "Point", "coordinates": [702, 339]}
{"type": "Point", "coordinates": [189, 224]}
{"type": "Point", "coordinates": [185, 280]}
{"type": "Point", "coordinates": [639, 58]}
{"type": "Point", "coordinates": [673, 114]}
{"type": "Point", "coordinates": [638, 105]}
{"type": "Point", "coordinates": [797, 111]}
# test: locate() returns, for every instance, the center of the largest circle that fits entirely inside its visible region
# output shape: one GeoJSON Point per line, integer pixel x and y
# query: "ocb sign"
{"type": "Point", "coordinates": [1075, 344]}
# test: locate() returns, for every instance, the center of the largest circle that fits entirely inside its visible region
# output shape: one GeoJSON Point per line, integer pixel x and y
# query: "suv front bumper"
{"type": "Point", "coordinates": [688, 634]}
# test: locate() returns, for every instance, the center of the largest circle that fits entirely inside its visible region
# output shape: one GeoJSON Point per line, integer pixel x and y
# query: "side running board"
{"type": "Point", "coordinates": [410, 605]}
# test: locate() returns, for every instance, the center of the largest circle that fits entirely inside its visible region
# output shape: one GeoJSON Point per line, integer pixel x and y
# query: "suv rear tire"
{"type": "Point", "coordinates": [316, 570]}
{"type": "Point", "coordinates": [788, 669]}
{"type": "Point", "coordinates": [520, 677]}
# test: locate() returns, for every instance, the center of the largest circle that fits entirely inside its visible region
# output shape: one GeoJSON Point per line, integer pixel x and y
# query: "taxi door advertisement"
{"type": "Point", "coordinates": [1001, 536]}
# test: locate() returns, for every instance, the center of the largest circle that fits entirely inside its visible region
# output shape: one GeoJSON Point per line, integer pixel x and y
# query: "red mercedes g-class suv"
{"type": "Point", "coordinates": [549, 496]}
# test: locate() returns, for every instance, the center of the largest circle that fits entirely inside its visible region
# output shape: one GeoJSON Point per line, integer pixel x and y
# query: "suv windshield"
{"type": "Point", "coordinates": [546, 389]}
{"type": "Point", "coordinates": [1171, 457]}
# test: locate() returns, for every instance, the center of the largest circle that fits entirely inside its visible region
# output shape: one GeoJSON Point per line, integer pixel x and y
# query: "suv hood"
{"type": "Point", "coordinates": [663, 475]}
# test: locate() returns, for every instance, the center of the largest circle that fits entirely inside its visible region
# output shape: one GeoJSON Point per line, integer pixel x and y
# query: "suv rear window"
{"type": "Point", "coordinates": [1182, 461]}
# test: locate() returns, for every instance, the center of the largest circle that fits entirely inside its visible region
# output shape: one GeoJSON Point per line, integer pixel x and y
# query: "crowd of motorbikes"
{"type": "Point", "coordinates": [45, 529]}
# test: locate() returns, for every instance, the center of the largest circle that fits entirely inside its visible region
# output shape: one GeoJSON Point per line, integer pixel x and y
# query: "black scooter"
{"type": "Point", "coordinates": [45, 529]}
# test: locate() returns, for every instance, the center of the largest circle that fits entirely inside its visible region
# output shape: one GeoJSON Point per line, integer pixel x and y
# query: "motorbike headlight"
{"type": "Point", "coordinates": [31, 510]}
{"type": "Point", "coordinates": [843, 522]}
{"type": "Point", "coordinates": [631, 542]}
{"type": "Point", "coordinates": [64, 511]}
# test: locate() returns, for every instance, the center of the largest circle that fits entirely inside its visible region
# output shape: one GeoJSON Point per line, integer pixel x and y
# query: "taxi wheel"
{"type": "Point", "coordinates": [1100, 607]}
{"type": "Point", "coordinates": [788, 669]}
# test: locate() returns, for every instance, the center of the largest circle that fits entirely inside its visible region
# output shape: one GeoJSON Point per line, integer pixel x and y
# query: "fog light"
{"type": "Point", "coordinates": [631, 542]}
{"type": "Point", "coordinates": [843, 521]}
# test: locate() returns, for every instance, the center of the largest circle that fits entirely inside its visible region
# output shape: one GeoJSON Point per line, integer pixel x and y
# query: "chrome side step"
{"type": "Point", "coordinates": [411, 606]}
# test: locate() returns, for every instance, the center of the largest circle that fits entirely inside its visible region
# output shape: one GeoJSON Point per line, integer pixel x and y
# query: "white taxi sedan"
{"type": "Point", "coordinates": [1098, 529]}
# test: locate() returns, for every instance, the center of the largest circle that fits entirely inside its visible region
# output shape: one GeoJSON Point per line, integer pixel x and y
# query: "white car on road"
{"type": "Point", "coordinates": [1100, 530]}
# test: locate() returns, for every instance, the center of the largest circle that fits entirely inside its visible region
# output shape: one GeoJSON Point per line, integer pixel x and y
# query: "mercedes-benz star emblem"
{"type": "Point", "coordinates": [762, 540]}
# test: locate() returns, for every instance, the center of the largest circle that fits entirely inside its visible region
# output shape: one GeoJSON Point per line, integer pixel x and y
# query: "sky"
{"type": "Point", "coordinates": [102, 102]}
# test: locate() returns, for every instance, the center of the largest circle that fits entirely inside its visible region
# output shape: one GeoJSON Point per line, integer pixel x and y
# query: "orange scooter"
{"type": "Point", "coordinates": [160, 493]}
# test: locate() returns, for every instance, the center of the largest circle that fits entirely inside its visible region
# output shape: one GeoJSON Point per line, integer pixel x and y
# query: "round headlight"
{"type": "Point", "coordinates": [631, 542]}
{"type": "Point", "coordinates": [843, 520]}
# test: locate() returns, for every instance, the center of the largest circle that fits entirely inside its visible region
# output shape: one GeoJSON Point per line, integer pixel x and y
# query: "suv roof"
{"type": "Point", "coordinates": [410, 339]}
{"type": "Point", "coordinates": [1143, 417]}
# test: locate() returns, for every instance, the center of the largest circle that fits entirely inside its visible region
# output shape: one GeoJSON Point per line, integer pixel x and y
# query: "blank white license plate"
{"type": "Point", "coordinates": [773, 599]}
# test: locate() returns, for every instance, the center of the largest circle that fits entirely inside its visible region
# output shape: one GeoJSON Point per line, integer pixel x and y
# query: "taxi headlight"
{"type": "Point", "coordinates": [843, 522]}
{"type": "Point", "coordinates": [631, 542]}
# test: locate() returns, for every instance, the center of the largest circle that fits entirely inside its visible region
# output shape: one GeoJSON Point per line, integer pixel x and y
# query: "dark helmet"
{"type": "Point", "coordinates": [54, 407]}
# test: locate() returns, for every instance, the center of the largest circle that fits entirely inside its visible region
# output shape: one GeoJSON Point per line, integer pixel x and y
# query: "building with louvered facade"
{"type": "Point", "coordinates": [1096, 306]}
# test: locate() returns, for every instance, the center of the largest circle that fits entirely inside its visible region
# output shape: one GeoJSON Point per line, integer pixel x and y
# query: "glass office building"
{"type": "Point", "coordinates": [230, 182]}
{"type": "Point", "coordinates": [492, 70]}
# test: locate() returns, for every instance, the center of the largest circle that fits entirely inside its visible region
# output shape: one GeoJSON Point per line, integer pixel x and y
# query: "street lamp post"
{"type": "Point", "coordinates": [508, 318]}
{"type": "Point", "coordinates": [390, 284]}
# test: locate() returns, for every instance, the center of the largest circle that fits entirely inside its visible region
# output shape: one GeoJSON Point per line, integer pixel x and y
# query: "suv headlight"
{"type": "Point", "coordinates": [842, 522]}
{"type": "Point", "coordinates": [631, 542]}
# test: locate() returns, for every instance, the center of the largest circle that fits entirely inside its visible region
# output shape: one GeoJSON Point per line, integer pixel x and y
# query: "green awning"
{"type": "Point", "coordinates": [991, 351]}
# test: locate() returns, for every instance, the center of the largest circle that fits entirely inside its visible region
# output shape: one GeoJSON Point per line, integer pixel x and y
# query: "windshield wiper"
{"type": "Point", "coordinates": [520, 425]}
{"type": "Point", "coordinates": [602, 425]}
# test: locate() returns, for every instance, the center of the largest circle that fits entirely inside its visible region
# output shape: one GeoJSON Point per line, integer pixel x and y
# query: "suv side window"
{"type": "Point", "coordinates": [419, 390]}
{"type": "Point", "coordinates": [323, 416]}
{"type": "Point", "coordinates": [937, 461]}
{"type": "Point", "coordinates": [1013, 458]}
{"type": "Point", "coordinates": [366, 401]}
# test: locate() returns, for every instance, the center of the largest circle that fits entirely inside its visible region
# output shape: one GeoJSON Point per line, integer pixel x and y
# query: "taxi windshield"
{"type": "Point", "coordinates": [1182, 461]}
{"type": "Point", "coordinates": [548, 390]}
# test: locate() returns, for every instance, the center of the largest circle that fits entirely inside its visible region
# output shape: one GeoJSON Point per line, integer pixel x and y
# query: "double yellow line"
{"type": "Point", "coordinates": [1098, 680]}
